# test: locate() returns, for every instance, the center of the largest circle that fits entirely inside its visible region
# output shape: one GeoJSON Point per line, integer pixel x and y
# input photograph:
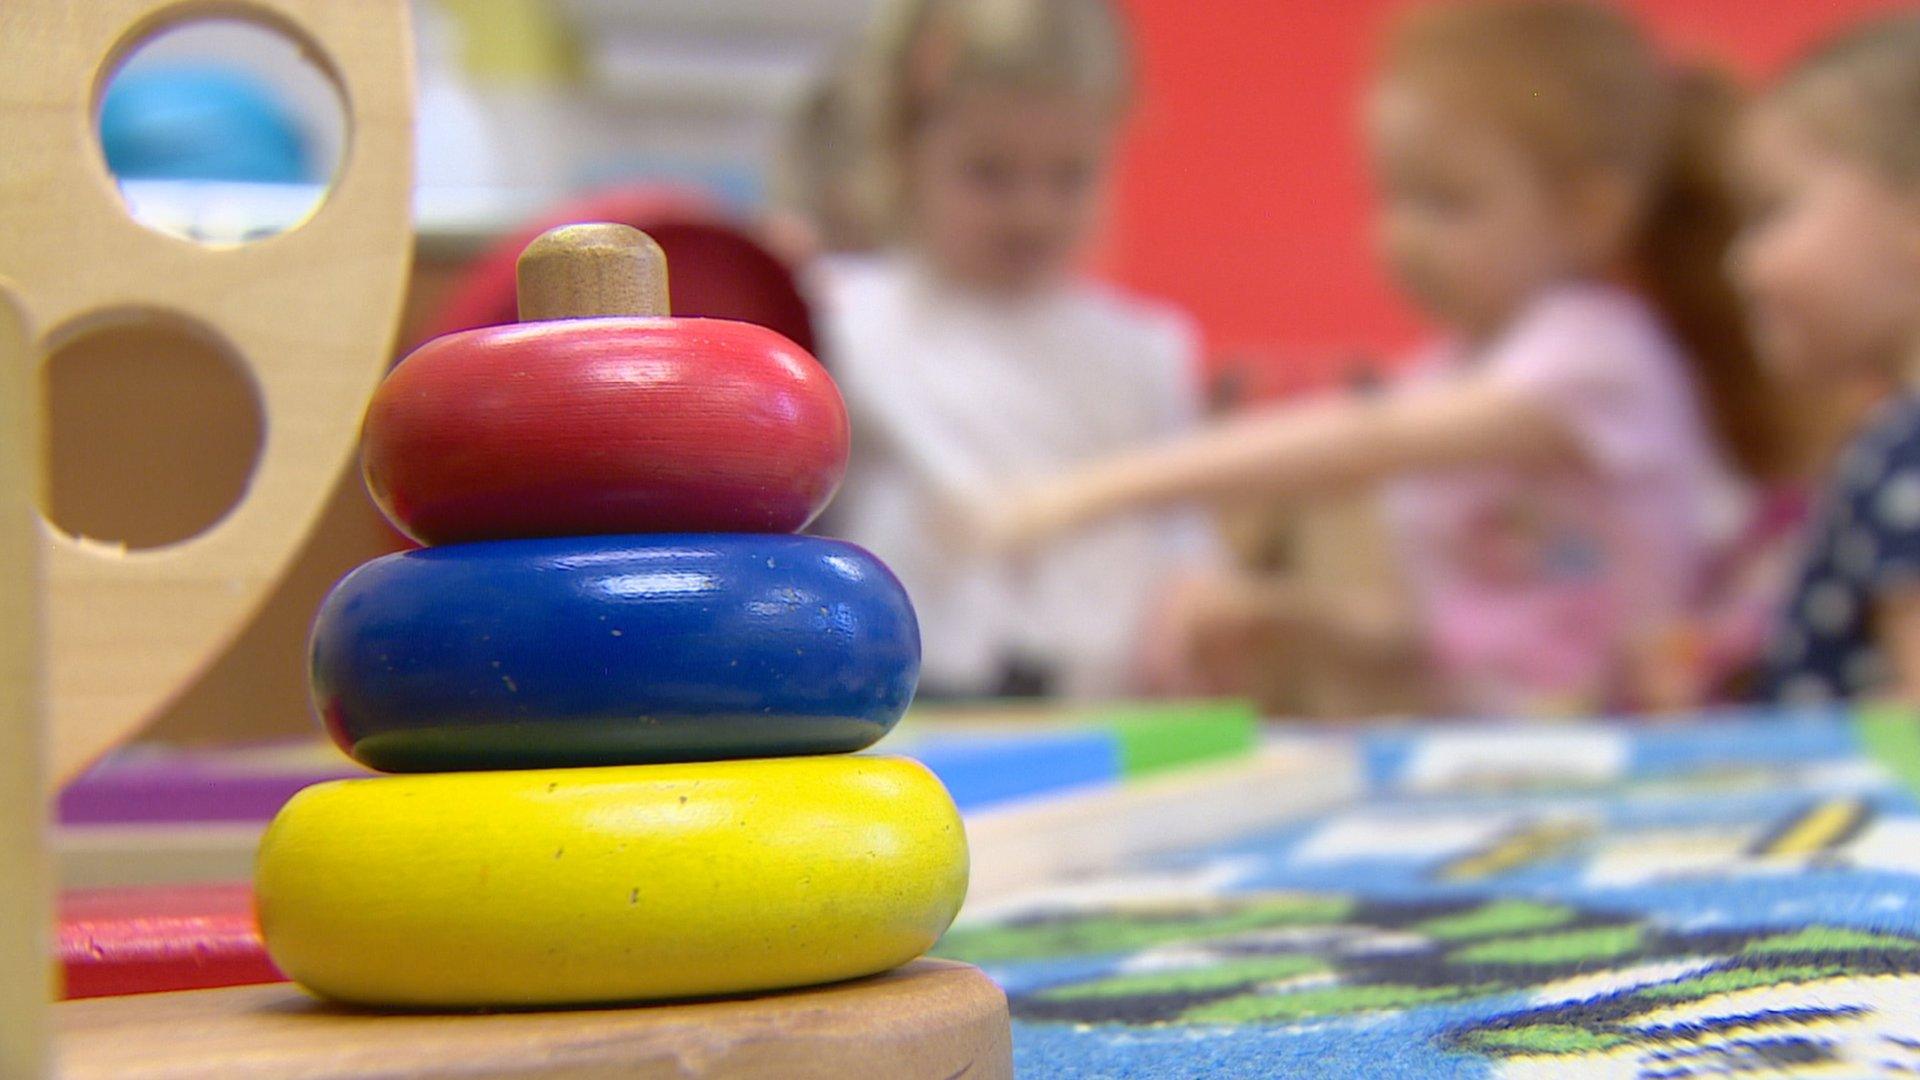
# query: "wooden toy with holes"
{"type": "Point", "coordinates": [745, 880]}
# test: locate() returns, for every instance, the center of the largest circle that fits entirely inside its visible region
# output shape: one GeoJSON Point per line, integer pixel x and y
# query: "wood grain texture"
{"type": "Point", "coordinates": [591, 269]}
{"type": "Point", "coordinates": [576, 886]}
{"type": "Point", "coordinates": [24, 878]}
{"type": "Point", "coordinates": [310, 312]}
{"type": "Point", "coordinates": [614, 425]}
{"type": "Point", "coordinates": [930, 1020]}
{"type": "Point", "coordinates": [613, 650]}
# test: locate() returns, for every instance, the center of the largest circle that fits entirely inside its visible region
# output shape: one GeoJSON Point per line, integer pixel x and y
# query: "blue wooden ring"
{"type": "Point", "coordinates": [613, 650]}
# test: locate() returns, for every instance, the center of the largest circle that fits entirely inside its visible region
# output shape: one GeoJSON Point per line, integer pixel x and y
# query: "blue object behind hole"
{"type": "Point", "coordinates": [182, 122]}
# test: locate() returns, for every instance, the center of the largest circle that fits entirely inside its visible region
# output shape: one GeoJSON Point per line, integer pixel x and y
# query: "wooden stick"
{"type": "Point", "coordinates": [586, 271]}
{"type": "Point", "coordinates": [25, 985]}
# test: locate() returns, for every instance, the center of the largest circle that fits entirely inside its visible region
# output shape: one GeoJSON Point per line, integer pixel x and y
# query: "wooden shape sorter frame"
{"type": "Point", "coordinates": [309, 313]}
{"type": "Point", "coordinates": [95, 639]}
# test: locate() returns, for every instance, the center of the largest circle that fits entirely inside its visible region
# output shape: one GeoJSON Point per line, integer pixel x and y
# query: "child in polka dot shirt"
{"type": "Point", "coordinates": [1830, 264]}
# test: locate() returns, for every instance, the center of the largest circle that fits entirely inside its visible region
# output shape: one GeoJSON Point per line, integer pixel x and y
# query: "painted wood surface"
{"type": "Point", "coordinates": [310, 313]}
{"type": "Point", "coordinates": [608, 425]}
{"type": "Point", "coordinates": [156, 938]}
{"type": "Point", "coordinates": [573, 886]}
{"type": "Point", "coordinates": [608, 650]}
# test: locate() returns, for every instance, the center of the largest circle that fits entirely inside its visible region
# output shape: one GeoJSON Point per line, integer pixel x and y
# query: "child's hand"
{"type": "Point", "coordinates": [1171, 638]}
{"type": "Point", "coordinates": [1209, 634]}
{"type": "Point", "coordinates": [998, 525]}
{"type": "Point", "coordinates": [1665, 669]}
{"type": "Point", "coordinates": [1031, 516]}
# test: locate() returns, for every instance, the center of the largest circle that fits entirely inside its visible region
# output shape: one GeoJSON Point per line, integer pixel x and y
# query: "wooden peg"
{"type": "Point", "coordinates": [591, 270]}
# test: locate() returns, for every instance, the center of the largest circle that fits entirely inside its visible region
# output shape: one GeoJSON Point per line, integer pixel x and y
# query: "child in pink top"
{"type": "Point", "coordinates": [1528, 578]}
{"type": "Point", "coordinates": [1557, 470]}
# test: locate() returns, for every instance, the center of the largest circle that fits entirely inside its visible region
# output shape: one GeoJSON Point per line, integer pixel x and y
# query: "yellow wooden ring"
{"type": "Point", "coordinates": [572, 886]}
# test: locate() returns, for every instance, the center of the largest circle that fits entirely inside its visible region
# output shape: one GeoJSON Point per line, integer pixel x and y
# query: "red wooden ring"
{"type": "Point", "coordinates": [598, 426]}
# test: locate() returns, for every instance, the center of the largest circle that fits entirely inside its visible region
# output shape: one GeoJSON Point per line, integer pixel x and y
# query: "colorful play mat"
{"type": "Point", "coordinates": [1731, 896]}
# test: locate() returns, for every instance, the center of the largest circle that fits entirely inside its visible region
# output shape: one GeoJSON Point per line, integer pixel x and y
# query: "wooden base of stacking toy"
{"type": "Point", "coordinates": [932, 1018]}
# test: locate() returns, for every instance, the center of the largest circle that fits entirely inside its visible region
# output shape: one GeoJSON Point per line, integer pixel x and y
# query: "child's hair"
{"type": "Point", "coordinates": [920, 53]}
{"type": "Point", "coordinates": [1582, 89]}
{"type": "Point", "coordinates": [817, 174]}
{"type": "Point", "coordinates": [1861, 94]}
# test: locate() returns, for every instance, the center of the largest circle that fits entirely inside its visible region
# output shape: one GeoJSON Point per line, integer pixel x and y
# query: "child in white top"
{"type": "Point", "coordinates": [971, 356]}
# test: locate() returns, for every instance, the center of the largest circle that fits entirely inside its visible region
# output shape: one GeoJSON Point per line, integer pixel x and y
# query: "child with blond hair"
{"type": "Point", "coordinates": [1830, 263]}
{"type": "Point", "coordinates": [971, 353]}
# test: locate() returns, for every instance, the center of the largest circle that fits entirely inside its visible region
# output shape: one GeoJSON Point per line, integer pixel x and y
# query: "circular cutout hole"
{"type": "Point", "coordinates": [221, 131]}
{"type": "Point", "coordinates": [153, 429]}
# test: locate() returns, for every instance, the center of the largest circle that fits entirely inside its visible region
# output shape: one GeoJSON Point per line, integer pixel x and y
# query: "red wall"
{"type": "Point", "coordinates": [1242, 190]}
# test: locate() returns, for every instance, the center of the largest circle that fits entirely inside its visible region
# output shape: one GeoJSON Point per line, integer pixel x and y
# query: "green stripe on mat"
{"type": "Point", "coordinates": [1890, 732]}
{"type": "Point", "coordinates": [1157, 737]}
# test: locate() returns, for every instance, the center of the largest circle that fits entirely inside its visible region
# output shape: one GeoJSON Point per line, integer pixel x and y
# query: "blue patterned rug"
{"type": "Point", "coordinates": [1737, 896]}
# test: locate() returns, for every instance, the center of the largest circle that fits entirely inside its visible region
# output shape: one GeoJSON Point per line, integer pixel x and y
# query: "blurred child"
{"type": "Point", "coordinates": [816, 199]}
{"type": "Point", "coordinates": [1830, 263]}
{"type": "Point", "coordinates": [971, 356]}
{"type": "Point", "coordinates": [1551, 194]}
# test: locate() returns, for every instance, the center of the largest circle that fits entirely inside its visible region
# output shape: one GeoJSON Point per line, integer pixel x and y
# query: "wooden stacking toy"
{"type": "Point", "coordinates": [664, 709]}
